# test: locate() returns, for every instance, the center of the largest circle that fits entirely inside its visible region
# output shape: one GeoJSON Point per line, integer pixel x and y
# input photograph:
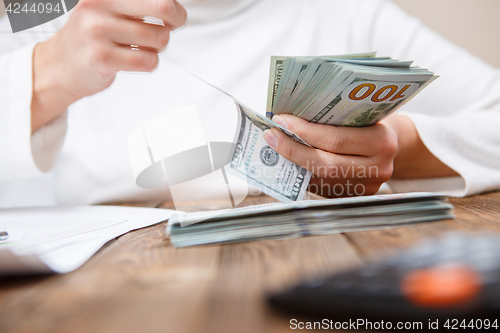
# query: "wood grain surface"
{"type": "Point", "coordinates": [140, 283]}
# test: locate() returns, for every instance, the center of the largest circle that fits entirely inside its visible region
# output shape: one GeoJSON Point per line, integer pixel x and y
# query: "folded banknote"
{"type": "Point", "coordinates": [311, 217]}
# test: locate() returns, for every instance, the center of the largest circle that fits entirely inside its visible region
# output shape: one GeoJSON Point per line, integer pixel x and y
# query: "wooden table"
{"type": "Point", "coordinates": [140, 283]}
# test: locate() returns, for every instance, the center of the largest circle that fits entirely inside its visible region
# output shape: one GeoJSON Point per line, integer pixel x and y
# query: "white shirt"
{"type": "Point", "coordinates": [229, 43]}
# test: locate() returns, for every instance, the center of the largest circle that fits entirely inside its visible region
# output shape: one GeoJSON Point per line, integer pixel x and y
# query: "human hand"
{"type": "Point", "coordinates": [347, 161]}
{"type": "Point", "coordinates": [84, 57]}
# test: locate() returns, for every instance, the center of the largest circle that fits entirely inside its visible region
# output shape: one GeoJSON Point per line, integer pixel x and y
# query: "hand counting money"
{"type": "Point", "coordinates": [351, 90]}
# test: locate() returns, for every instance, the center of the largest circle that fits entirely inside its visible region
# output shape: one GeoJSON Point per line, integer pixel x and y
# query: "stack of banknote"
{"type": "Point", "coordinates": [312, 217]}
{"type": "Point", "coordinates": [351, 90]}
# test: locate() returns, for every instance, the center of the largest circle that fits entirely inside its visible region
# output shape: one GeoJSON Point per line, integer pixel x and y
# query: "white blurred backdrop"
{"type": "Point", "coordinates": [473, 25]}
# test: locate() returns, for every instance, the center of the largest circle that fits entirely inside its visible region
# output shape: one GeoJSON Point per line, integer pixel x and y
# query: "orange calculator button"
{"type": "Point", "coordinates": [441, 286]}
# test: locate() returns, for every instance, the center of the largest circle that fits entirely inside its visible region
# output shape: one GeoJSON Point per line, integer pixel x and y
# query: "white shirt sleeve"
{"type": "Point", "coordinates": [23, 155]}
{"type": "Point", "coordinates": [458, 115]}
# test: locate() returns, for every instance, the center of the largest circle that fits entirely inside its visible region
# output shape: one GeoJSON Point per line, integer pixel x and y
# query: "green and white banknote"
{"type": "Point", "coordinates": [350, 90]}
{"type": "Point", "coordinates": [310, 217]}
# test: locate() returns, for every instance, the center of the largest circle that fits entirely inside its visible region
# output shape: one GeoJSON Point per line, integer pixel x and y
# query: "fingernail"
{"type": "Point", "coordinates": [280, 121]}
{"type": "Point", "coordinates": [271, 139]}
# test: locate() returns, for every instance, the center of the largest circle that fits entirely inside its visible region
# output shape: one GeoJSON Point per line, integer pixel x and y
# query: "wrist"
{"type": "Point", "coordinates": [50, 95]}
{"type": "Point", "coordinates": [407, 144]}
{"type": "Point", "coordinates": [413, 159]}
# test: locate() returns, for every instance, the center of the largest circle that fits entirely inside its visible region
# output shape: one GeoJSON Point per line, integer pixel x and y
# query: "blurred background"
{"type": "Point", "coordinates": [473, 25]}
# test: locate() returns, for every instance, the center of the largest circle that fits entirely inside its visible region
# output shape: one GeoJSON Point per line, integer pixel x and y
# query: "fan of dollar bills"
{"type": "Point", "coordinates": [351, 90]}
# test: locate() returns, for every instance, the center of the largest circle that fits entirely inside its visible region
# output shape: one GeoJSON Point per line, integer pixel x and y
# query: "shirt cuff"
{"type": "Point", "coordinates": [451, 186]}
{"type": "Point", "coordinates": [47, 142]}
{"type": "Point", "coordinates": [432, 135]}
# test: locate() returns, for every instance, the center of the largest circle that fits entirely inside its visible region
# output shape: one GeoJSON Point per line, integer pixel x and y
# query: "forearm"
{"type": "Point", "coordinates": [413, 159]}
{"type": "Point", "coordinates": [50, 96]}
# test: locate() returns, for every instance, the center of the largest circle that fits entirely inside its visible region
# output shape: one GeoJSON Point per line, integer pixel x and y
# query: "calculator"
{"type": "Point", "coordinates": [454, 276]}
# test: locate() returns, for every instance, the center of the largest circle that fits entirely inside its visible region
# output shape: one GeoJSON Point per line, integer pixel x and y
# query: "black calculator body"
{"type": "Point", "coordinates": [453, 277]}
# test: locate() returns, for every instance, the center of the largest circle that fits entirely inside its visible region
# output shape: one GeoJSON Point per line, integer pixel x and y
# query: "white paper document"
{"type": "Point", "coordinates": [61, 239]}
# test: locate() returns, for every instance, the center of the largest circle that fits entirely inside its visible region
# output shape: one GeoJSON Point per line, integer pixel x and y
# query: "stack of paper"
{"type": "Point", "coordinates": [303, 218]}
{"type": "Point", "coordinates": [61, 239]}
